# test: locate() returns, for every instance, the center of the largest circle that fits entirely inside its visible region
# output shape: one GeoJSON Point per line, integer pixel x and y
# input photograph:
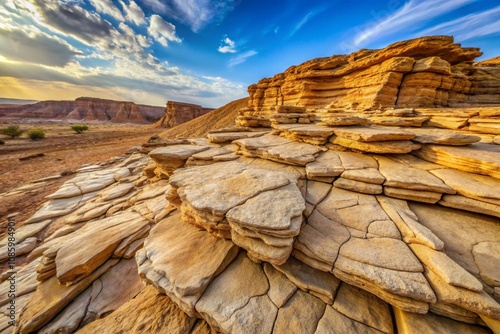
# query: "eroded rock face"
{"type": "Point", "coordinates": [178, 112]}
{"type": "Point", "coordinates": [423, 72]}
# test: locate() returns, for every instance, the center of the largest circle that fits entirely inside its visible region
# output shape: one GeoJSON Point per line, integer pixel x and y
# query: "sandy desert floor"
{"type": "Point", "coordinates": [64, 150]}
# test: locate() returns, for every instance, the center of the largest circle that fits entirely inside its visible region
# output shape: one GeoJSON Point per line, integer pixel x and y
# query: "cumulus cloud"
{"type": "Point", "coordinates": [227, 46]}
{"type": "Point", "coordinates": [34, 46]}
{"type": "Point", "coordinates": [73, 20]}
{"type": "Point", "coordinates": [162, 31]}
{"type": "Point", "coordinates": [133, 13]}
{"type": "Point", "coordinates": [241, 58]}
{"type": "Point", "coordinates": [107, 7]}
{"type": "Point", "coordinates": [194, 13]}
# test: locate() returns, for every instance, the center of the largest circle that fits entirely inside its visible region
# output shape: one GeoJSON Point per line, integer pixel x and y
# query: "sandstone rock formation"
{"type": "Point", "coordinates": [87, 109]}
{"type": "Point", "coordinates": [178, 112]}
{"type": "Point", "coordinates": [304, 226]}
{"type": "Point", "coordinates": [424, 72]}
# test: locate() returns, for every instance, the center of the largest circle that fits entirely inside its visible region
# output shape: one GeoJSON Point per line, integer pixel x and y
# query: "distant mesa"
{"type": "Point", "coordinates": [86, 109]}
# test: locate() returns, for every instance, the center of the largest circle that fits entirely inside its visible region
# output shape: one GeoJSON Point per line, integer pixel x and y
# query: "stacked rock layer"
{"type": "Point", "coordinates": [424, 72]}
{"type": "Point", "coordinates": [383, 222]}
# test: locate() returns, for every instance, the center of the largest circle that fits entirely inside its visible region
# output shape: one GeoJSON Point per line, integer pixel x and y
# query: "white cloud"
{"type": "Point", "coordinates": [116, 60]}
{"type": "Point", "coordinates": [133, 13]}
{"type": "Point", "coordinates": [227, 46]}
{"type": "Point", "coordinates": [107, 7]}
{"type": "Point", "coordinates": [470, 26]}
{"type": "Point", "coordinates": [144, 41]}
{"type": "Point", "coordinates": [413, 14]}
{"type": "Point", "coordinates": [162, 30]}
{"type": "Point", "coordinates": [241, 58]}
{"type": "Point", "coordinates": [30, 44]}
{"type": "Point", "coordinates": [194, 13]}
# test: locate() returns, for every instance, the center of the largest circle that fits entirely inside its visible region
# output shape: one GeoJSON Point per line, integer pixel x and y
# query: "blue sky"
{"type": "Point", "coordinates": [206, 51]}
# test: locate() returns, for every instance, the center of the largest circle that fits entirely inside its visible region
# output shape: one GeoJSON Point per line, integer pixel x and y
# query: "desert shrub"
{"type": "Point", "coordinates": [79, 128]}
{"type": "Point", "coordinates": [1, 142]}
{"type": "Point", "coordinates": [36, 134]}
{"type": "Point", "coordinates": [12, 131]}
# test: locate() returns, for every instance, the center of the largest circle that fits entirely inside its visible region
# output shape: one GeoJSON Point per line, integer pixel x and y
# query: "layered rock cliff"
{"type": "Point", "coordinates": [87, 109]}
{"type": "Point", "coordinates": [423, 72]}
{"type": "Point", "coordinates": [179, 112]}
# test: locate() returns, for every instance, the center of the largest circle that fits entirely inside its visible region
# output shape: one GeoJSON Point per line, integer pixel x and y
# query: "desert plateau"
{"type": "Point", "coordinates": [356, 192]}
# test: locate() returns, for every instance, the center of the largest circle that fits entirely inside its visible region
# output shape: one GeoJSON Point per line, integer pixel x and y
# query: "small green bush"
{"type": "Point", "coordinates": [36, 134]}
{"type": "Point", "coordinates": [79, 128]}
{"type": "Point", "coordinates": [1, 142]}
{"type": "Point", "coordinates": [12, 131]}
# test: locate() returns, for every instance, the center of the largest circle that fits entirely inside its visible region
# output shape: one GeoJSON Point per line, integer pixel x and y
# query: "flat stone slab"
{"type": "Point", "coordinates": [323, 284]}
{"type": "Point", "coordinates": [380, 147]}
{"type": "Point", "coordinates": [407, 222]}
{"type": "Point", "coordinates": [153, 312]}
{"type": "Point", "coordinates": [477, 302]}
{"type": "Point", "coordinates": [326, 164]}
{"type": "Point", "coordinates": [175, 265]}
{"type": "Point", "coordinates": [321, 238]}
{"type": "Point", "coordinates": [95, 243]}
{"type": "Point", "coordinates": [358, 186]}
{"type": "Point", "coordinates": [468, 231]}
{"type": "Point", "coordinates": [413, 121]}
{"type": "Point", "coordinates": [363, 307]}
{"type": "Point", "coordinates": [228, 293]}
{"type": "Point", "coordinates": [281, 289]}
{"type": "Point", "coordinates": [470, 204]}
{"type": "Point", "coordinates": [291, 317]}
{"type": "Point", "coordinates": [224, 137]}
{"type": "Point", "coordinates": [382, 252]}
{"type": "Point", "coordinates": [368, 175]}
{"type": "Point", "coordinates": [373, 133]}
{"type": "Point", "coordinates": [352, 161]}
{"type": "Point", "coordinates": [56, 208]}
{"type": "Point", "coordinates": [51, 297]}
{"type": "Point", "coordinates": [270, 210]}
{"type": "Point", "coordinates": [413, 195]}
{"type": "Point", "coordinates": [292, 153]}
{"type": "Point", "coordinates": [471, 185]}
{"type": "Point", "coordinates": [311, 130]}
{"type": "Point", "coordinates": [406, 284]}
{"type": "Point", "coordinates": [334, 121]}
{"type": "Point", "coordinates": [341, 323]}
{"type": "Point", "coordinates": [211, 153]}
{"type": "Point", "coordinates": [353, 210]}
{"type": "Point", "coordinates": [175, 152]}
{"type": "Point", "coordinates": [412, 323]}
{"type": "Point", "coordinates": [278, 149]}
{"type": "Point", "coordinates": [398, 175]}
{"type": "Point", "coordinates": [259, 142]}
{"type": "Point", "coordinates": [219, 196]}
{"type": "Point", "coordinates": [446, 268]}
{"type": "Point", "coordinates": [476, 158]}
{"type": "Point", "coordinates": [443, 137]}
{"type": "Point", "coordinates": [486, 257]}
